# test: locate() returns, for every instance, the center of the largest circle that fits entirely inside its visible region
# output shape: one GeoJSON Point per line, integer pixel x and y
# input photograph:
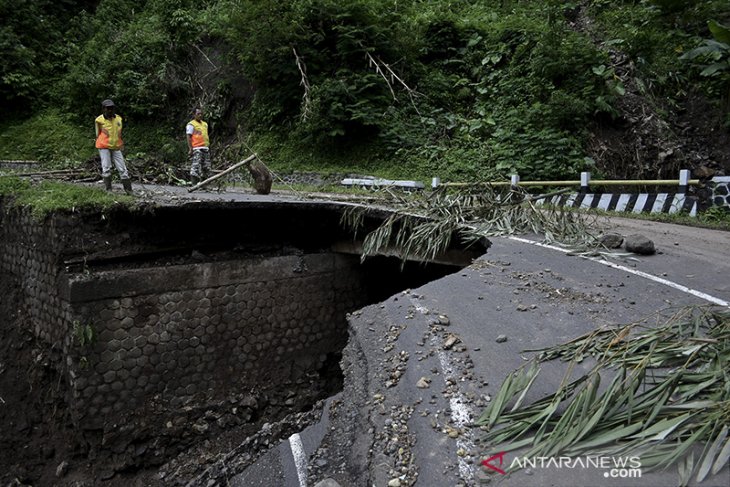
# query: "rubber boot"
{"type": "Point", "coordinates": [127, 184]}
{"type": "Point", "coordinates": [194, 180]}
{"type": "Point", "coordinates": [108, 183]}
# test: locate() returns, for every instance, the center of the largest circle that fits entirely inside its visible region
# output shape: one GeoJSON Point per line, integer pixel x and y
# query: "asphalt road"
{"type": "Point", "coordinates": [533, 295]}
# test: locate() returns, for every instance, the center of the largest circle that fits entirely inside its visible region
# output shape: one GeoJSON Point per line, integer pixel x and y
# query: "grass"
{"type": "Point", "coordinates": [285, 156]}
{"type": "Point", "coordinates": [714, 218]}
{"type": "Point", "coordinates": [47, 197]}
{"type": "Point", "coordinates": [51, 137]}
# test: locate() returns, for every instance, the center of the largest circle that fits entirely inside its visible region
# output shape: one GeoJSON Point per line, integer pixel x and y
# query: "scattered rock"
{"type": "Point", "coordinates": [394, 483]}
{"type": "Point", "coordinates": [639, 244]}
{"type": "Point", "coordinates": [703, 172]}
{"type": "Point", "coordinates": [450, 341]}
{"type": "Point", "coordinates": [522, 307]}
{"type": "Point", "coordinates": [327, 483]}
{"type": "Point", "coordinates": [452, 432]}
{"type": "Point", "coordinates": [482, 477]}
{"type": "Point", "coordinates": [611, 240]}
{"type": "Point", "coordinates": [423, 383]}
{"type": "Point", "coordinates": [107, 474]}
{"type": "Point", "coordinates": [62, 469]}
{"type": "Point", "coordinates": [444, 320]}
{"type": "Point", "coordinates": [501, 338]}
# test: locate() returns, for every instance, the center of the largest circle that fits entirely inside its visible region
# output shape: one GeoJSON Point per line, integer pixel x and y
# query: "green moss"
{"type": "Point", "coordinates": [50, 196]}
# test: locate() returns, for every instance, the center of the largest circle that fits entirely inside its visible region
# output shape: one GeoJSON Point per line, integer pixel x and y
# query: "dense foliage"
{"type": "Point", "coordinates": [463, 89]}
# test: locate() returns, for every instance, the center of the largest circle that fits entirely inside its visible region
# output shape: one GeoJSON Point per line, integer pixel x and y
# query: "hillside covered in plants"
{"type": "Point", "coordinates": [463, 89]}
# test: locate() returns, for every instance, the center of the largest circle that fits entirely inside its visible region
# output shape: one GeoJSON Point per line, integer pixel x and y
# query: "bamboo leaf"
{"type": "Point", "coordinates": [532, 374]}
{"type": "Point", "coordinates": [685, 467]}
{"type": "Point", "coordinates": [685, 445]}
{"type": "Point", "coordinates": [602, 409]}
{"type": "Point", "coordinates": [609, 436]}
{"type": "Point", "coordinates": [710, 455]}
{"type": "Point", "coordinates": [722, 458]}
{"type": "Point", "coordinates": [663, 428]}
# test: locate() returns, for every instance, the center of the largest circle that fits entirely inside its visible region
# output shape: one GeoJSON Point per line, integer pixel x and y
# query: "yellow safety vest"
{"type": "Point", "coordinates": [110, 135]}
{"type": "Point", "coordinates": [200, 133]}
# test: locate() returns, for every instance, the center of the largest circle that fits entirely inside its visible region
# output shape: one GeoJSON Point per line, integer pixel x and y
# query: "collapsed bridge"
{"type": "Point", "coordinates": [170, 324]}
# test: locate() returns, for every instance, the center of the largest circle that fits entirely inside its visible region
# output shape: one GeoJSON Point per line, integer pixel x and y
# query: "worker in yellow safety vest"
{"type": "Point", "coordinates": [109, 141]}
{"type": "Point", "coordinates": [198, 147]}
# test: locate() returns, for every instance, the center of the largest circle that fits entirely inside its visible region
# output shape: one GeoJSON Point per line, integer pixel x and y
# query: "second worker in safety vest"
{"type": "Point", "coordinates": [197, 134]}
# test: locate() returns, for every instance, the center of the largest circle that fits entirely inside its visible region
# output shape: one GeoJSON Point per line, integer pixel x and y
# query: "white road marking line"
{"type": "Point", "coordinates": [461, 414]}
{"type": "Point", "coordinates": [300, 458]}
{"type": "Point", "coordinates": [645, 275]}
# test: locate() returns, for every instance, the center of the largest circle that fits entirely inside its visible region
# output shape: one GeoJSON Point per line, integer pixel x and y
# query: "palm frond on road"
{"type": "Point", "coordinates": [670, 396]}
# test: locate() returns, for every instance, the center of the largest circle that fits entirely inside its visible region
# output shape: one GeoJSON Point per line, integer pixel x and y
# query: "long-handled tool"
{"type": "Point", "coordinates": [261, 175]}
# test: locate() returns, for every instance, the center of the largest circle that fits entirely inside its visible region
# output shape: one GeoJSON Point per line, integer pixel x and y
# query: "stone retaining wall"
{"type": "Point", "coordinates": [189, 334]}
{"type": "Point", "coordinates": [29, 259]}
{"type": "Point", "coordinates": [720, 187]}
{"type": "Point", "coordinates": [179, 336]}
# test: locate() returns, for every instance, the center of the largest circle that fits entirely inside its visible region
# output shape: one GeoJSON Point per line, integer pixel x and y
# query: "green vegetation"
{"type": "Point", "coordinates": [84, 334]}
{"type": "Point", "coordinates": [49, 196]}
{"type": "Point", "coordinates": [47, 136]}
{"type": "Point", "coordinates": [465, 90]}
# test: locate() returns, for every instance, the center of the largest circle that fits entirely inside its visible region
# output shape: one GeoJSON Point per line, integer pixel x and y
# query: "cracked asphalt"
{"type": "Point", "coordinates": [423, 364]}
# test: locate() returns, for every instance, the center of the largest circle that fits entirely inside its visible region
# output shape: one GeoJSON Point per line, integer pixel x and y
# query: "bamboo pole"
{"type": "Point", "coordinates": [222, 173]}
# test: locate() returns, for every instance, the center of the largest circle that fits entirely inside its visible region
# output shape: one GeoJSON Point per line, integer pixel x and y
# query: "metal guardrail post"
{"type": "Point", "coordinates": [435, 182]}
{"type": "Point", "coordinates": [515, 181]}
{"type": "Point", "coordinates": [683, 180]}
{"type": "Point", "coordinates": [585, 181]}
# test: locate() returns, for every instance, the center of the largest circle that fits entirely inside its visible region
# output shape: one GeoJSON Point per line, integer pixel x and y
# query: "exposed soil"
{"type": "Point", "coordinates": [652, 138]}
{"type": "Point", "coordinates": [642, 144]}
{"type": "Point", "coordinates": [32, 411]}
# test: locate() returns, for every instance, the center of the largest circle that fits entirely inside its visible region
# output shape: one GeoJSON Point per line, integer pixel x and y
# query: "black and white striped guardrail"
{"type": "Point", "coordinates": [628, 202]}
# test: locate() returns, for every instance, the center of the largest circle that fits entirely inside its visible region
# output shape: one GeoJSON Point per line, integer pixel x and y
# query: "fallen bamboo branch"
{"type": "Point", "coordinates": [306, 100]}
{"type": "Point", "coordinates": [222, 173]}
{"type": "Point", "coordinates": [546, 196]}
